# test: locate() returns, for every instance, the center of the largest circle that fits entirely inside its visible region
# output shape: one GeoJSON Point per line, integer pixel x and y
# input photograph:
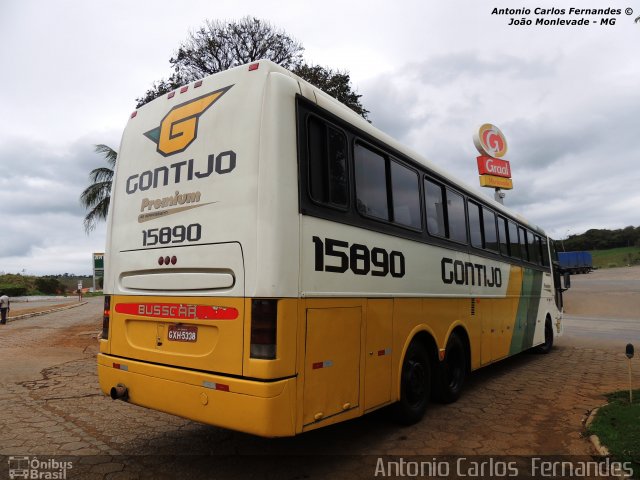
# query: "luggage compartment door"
{"type": "Point", "coordinates": [332, 362]}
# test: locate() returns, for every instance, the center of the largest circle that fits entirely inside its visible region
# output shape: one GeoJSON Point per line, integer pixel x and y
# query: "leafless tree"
{"type": "Point", "coordinates": [218, 46]}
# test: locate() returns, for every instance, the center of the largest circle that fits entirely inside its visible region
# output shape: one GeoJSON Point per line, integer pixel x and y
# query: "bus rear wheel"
{"type": "Point", "coordinates": [415, 385]}
{"type": "Point", "coordinates": [452, 370]}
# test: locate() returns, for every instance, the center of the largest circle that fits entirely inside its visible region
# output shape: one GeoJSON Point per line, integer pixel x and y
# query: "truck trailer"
{"type": "Point", "coordinates": [575, 262]}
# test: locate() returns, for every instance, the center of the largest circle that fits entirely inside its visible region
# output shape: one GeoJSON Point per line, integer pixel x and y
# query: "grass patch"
{"type": "Point", "coordinates": [616, 257]}
{"type": "Point", "coordinates": [93, 294]}
{"type": "Point", "coordinates": [618, 427]}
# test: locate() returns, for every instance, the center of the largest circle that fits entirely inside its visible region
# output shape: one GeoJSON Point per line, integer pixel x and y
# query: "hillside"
{"type": "Point", "coordinates": [16, 285]}
{"type": "Point", "coordinates": [603, 239]}
{"type": "Point", "coordinates": [616, 257]}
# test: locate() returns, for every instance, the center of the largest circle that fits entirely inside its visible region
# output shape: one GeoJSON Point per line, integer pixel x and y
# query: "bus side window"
{"type": "Point", "coordinates": [502, 236]}
{"type": "Point", "coordinates": [371, 183]}
{"type": "Point", "coordinates": [435, 208]}
{"type": "Point", "coordinates": [405, 192]}
{"type": "Point", "coordinates": [523, 243]}
{"type": "Point", "coordinates": [446, 216]}
{"type": "Point", "coordinates": [545, 251]}
{"type": "Point", "coordinates": [328, 175]}
{"type": "Point", "coordinates": [554, 251]}
{"type": "Point", "coordinates": [490, 234]}
{"type": "Point", "coordinates": [475, 229]}
{"type": "Point", "coordinates": [456, 218]}
{"type": "Point", "coordinates": [514, 243]}
{"type": "Point", "coordinates": [534, 248]}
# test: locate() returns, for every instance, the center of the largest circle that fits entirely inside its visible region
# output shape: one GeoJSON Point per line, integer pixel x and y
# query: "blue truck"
{"type": "Point", "coordinates": [575, 262]}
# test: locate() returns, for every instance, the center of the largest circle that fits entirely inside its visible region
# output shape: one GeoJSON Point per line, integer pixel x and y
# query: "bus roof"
{"type": "Point", "coordinates": [337, 108]}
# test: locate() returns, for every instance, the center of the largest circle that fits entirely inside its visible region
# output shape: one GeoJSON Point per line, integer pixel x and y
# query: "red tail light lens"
{"type": "Point", "coordinates": [105, 317]}
{"type": "Point", "coordinates": [264, 322]}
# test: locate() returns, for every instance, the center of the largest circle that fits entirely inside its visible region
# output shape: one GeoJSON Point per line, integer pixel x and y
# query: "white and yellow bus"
{"type": "Point", "coordinates": [276, 264]}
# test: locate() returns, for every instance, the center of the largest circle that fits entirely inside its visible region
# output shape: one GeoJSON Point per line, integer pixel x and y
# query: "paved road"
{"type": "Point", "coordinates": [50, 405]}
{"type": "Point", "coordinates": [22, 303]}
{"type": "Point", "coordinates": [604, 330]}
{"type": "Point", "coordinates": [603, 309]}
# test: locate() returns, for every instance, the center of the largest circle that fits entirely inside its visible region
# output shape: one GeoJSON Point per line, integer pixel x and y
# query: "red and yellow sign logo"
{"type": "Point", "coordinates": [179, 127]}
{"type": "Point", "coordinates": [494, 172]}
{"type": "Point", "coordinates": [493, 166]}
{"type": "Point", "coordinates": [496, 182]}
{"type": "Point", "coordinates": [490, 141]}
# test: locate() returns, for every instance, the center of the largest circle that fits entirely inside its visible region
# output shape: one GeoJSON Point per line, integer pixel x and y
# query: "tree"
{"type": "Point", "coordinates": [336, 84]}
{"type": "Point", "coordinates": [48, 285]}
{"type": "Point", "coordinates": [96, 197]}
{"type": "Point", "coordinates": [218, 46]}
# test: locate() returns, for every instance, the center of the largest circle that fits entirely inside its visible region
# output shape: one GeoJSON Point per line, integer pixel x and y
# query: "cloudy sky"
{"type": "Point", "coordinates": [566, 97]}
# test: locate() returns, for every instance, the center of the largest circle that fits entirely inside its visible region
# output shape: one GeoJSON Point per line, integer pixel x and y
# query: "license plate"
{"type": "Point", "coordinates": [182, 333]}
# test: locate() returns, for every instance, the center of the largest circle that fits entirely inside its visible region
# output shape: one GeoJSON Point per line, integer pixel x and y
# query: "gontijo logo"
{"type": "Point", "coordinates": [490, 141]}
{"type": "Point", "coordinates": [179, 127]}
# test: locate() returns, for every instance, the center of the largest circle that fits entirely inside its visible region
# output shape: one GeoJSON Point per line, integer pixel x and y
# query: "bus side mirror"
{"type": "Point", "coordinates": [567, 281]}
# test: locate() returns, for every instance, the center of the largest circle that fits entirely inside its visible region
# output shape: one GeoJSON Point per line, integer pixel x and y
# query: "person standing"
{"type": "Point", "coordinates": [5, 306]}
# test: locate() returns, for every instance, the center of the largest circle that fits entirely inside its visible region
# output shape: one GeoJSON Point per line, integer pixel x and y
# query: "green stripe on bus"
{"type": "Point", "coordinates": [525, 324]}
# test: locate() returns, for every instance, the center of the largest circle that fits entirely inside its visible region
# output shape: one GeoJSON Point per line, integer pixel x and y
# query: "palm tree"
{"type": "Point", "coordinates": [96, 196]}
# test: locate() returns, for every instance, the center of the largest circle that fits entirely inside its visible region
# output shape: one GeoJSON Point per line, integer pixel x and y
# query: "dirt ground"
{"type": "Point", "coordinates": [50, 404]}
{"type": "Point", "coordinates": [610, 293]}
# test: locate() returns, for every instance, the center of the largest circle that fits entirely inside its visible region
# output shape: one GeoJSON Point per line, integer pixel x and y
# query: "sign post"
{"type": "Point", "coordinates": [629, 354]}
{"type": "Point", "coordinates": [494, 171]}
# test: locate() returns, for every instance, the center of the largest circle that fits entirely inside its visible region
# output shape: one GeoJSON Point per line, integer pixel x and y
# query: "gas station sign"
{"type": "Point", "coordinates": [490, 141]}
{"type": "Point", "coordinates": [98, 268]}
{"type": "Point", "coordinates": [494, 166]}
{"type": "Point", "coordinates": [495, 171]}
{"type": "Point", "coordinates": [496, 182]}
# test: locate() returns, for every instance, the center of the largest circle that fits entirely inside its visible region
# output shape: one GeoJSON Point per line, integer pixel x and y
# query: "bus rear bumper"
{"type": "Point", "coordinates": [260, 408]}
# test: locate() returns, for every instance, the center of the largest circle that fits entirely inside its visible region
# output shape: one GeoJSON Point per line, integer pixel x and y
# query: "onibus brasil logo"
{"type": "Point", "coordinates": [179, 127]}
{"type": "Point", "coordinates": [32, 467]}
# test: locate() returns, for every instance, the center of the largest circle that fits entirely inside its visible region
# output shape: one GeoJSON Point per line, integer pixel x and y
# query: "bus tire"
{"type": "Point", "coordinates": [452, 371]}
{"type": "Point", "coordinates": [415, 385]}
{"type": "Point", "coordinates": [548, 338]}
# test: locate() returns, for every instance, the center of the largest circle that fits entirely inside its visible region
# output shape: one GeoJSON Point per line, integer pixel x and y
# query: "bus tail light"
{"type": "Point", "coordinates": [264, 321]}
{"type": "Point", "coordinates": [105, 317]}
